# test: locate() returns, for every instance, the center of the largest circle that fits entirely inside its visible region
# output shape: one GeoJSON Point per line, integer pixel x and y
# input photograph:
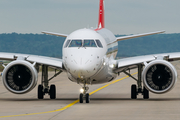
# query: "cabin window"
{"type": "Point", "coordinates": [67, 43]}
{"type": "Point", "coordinates": [89, 43]}
{"type": "Point", "coordinates": [99, 43]}
{"type": "Point", "coordinates": [76, 43]}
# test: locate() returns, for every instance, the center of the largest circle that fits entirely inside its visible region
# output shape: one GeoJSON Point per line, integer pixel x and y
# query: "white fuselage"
{"type": "Point", "coordinates": [88, 56]}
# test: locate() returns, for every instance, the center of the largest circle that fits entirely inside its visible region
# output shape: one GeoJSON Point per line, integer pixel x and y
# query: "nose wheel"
{"type": "Point", "coordinates": [84, 96]}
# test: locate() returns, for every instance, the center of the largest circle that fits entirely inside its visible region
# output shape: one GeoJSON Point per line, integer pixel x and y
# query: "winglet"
{"type": "Point", "coordinates": [101, 15]}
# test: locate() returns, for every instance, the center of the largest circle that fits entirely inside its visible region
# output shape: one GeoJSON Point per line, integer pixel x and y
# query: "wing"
{"type": "Point", "coordinates": [132, 62]}
{"type": "Point", "coordinates": [56, 34]}
{"type": "Point", "coordinates": [42, 60]}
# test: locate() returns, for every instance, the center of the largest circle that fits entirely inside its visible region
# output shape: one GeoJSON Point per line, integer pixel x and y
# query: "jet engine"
{"type": "Point", "coordinates": [159, 76]}
{"type": "Point", "coordinates": [19, 76]}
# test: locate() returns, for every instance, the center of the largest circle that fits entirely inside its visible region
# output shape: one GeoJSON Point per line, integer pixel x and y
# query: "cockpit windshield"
{"type": "Point", "coordinates": [76, 43]}
{"type": "Point", "coordinates": [67, 43]}
{"type": "Point", "coordinates": [99, 43]}
{"type": "Point", "coordinates": [89, 43]}
{"type": "Point", "coordinates": [84, 43]}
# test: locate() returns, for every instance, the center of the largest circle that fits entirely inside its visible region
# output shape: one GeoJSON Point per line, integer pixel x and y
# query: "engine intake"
{"type": "Point", "coordinates": [159, 76]}
{"type": "Point", "coordinates": [19, 77]}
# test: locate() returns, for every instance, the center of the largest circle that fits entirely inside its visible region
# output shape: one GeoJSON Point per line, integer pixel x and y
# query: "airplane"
{"type": "Point", "coordinates": [89, 57]}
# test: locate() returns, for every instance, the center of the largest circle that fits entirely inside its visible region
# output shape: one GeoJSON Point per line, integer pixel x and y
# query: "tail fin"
{"type": "Point", "coordinates": [101, 15]}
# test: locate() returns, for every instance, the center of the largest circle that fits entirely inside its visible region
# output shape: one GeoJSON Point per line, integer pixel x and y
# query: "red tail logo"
{"type": "Point", "coordinates": [101, 15]}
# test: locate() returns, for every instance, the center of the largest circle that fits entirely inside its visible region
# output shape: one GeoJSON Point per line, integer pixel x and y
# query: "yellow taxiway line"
{"type": "Point", "coordinates": [69, 105]}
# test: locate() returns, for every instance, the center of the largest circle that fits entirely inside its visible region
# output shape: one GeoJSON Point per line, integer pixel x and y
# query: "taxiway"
{"type": "Point", "coordinates": [112, 102]}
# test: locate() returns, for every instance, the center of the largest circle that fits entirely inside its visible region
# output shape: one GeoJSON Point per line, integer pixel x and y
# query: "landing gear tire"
{"type": "Point", "coordinates": [145, 93]}
{"type": "Point", "coordinates": [52, 92]}
{"type": "Point", "coordinates": [40, 92]}
{"type": "Point", "coordinates": [133, 92]}
{"type": "Point", "coordinates": [81, 98]}
{"type": "Point", "coordinates": [87, 98]}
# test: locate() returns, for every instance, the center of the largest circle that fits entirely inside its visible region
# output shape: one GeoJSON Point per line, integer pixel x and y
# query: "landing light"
{"type": "Point", "coordinates": [111, 65]}
{"type": "Point", "coordinates": [81, 90]}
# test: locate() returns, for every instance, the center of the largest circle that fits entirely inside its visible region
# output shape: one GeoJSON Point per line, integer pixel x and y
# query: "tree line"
{"type": "Point", "coordinates": [153, 44]}
{"type": "Point", "coordinates": [47, 45]}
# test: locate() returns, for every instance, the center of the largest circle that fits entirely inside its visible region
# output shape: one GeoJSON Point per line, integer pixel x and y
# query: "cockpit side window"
{"type": "Point", "coordinates": [76, 43]}
{"type": "Point", "coordinates": [89, 43]}
{"type": "Point", "coordinates": [99, 43]}
{"type": "Point", "coordinates": [67, 43]}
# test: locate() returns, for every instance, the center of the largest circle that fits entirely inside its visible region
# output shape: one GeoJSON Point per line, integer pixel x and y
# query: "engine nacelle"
{"type": "Point", "coordinates": [19, 77]}
{"type": "Point", "coordinates": [159, 76]}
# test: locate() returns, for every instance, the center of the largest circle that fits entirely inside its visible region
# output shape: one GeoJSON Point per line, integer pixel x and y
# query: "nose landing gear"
{"type": "Point", "coordinates": [84, 95]}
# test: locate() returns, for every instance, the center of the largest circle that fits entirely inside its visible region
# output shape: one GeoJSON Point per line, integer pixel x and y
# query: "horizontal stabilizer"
{"type": "Point", "coordinates": [138, 35]}
{"type": "Point", "coordinates": [56, 34]}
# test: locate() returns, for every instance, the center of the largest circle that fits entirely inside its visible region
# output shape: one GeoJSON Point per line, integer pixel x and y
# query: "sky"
{"type": "Point", "coordinates": [66, 16]}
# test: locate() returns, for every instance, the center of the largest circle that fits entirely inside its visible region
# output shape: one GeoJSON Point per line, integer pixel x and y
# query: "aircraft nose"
{"type": "Point", "coordinates": [88, 70]}
{"type": "Point", "coordinates": [84, 66]}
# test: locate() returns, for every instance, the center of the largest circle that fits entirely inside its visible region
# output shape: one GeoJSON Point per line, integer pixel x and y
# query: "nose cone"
{"type": "Point", "coordinates": [84, 67]}
{"type": "Point", "coordinates": [83, 64]}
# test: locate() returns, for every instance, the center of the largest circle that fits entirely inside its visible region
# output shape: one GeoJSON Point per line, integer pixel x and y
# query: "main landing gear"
{"type": "Point", "coordinates": [135, 90]}
{"type": "Point", "coordinates": [84, 96]}
{"type": "Point", "coordinates": [44, 88]}
{"type": "Point", "coordinates": [51, 92]}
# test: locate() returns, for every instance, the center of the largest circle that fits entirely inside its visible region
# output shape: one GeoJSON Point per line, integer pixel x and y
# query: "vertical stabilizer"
{"type": "Point", "coordinates": [101, 15]}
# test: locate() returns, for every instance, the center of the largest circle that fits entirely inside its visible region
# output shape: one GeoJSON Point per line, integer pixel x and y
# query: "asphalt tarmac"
{"type": "Point", "coordinates": [110, 102]}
